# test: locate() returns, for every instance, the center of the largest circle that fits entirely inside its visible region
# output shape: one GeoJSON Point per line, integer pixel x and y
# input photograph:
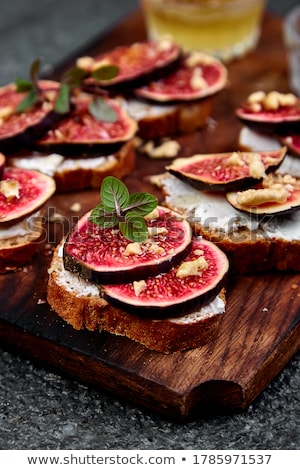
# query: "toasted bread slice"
{"type": "Point", "coordinates": [156, 120]}
{"type": "Point", "coordinates": [75, 174]}
{"type": "Point", "coordinates": [252, 245]}
{"type": "Point", "coordinates": [250, 140]}
{"type": "Point", "coordinates": [19, 242]}
{"type": "Point", "coordinates": [79, 303]}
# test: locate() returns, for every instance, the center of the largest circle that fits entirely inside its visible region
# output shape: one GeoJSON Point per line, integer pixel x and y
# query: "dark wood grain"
{"type": "Point", "coordinates": [259, 333]}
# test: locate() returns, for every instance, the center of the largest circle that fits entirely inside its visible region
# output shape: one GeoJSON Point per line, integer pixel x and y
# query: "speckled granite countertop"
{"type": "Point", "coordinates": [42, 410]}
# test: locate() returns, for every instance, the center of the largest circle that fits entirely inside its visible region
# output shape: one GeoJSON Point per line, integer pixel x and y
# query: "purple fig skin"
{"type": "Point", "coordinates": [2, 165]}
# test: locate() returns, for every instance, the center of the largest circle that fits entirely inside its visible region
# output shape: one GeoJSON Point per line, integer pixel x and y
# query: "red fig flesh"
{"type": "Point", "coordinates": [22, 128]}
{"type": "Point", "coordinates": [105, 256]}
{"type": "Point", "coordinates": [198, 75]}
{"type": "Point", "coordinates": [82, 129]}
{"type": "Point", "coordinates": [226, 171]}
{"type": "Point", "coordinates": [23, 192]}
{"type": "Point", "coordinates": [134, 61]}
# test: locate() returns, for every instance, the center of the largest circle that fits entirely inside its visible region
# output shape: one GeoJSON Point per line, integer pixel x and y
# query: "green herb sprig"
{"type": "Point", "coordinates": [30, 87]}
{"type": "Point", "coordinates": [120, 209]}
{"type": "Point", "coordinates": [73, 78]}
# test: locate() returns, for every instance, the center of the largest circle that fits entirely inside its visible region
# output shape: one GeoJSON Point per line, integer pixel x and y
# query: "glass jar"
{"type": "Point", "coordinates": [224, 28]}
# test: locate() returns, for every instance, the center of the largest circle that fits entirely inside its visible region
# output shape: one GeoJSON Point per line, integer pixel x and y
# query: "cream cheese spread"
{"type": "Point", "coordinates": [25, 227]}
{"type": "Point", "coordinates": [212, 211]}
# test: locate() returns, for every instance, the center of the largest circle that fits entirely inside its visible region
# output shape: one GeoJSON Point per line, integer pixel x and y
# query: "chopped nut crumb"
{"type": "Point", "coordinates": [133, 249]}
{"type": "Point", "coordinates": [10, 189]}
{"type": "Point", "coordinates": [256, 166]}
{"type": "Point", "coordinates": [6, 112]}
{"type": "Point", "coordinates": [165, 43]}
{"type": "Point", "coordinates": [255, 197]}
{"type": "Point", "coordinates": [270, 101]}
{"type": "Point", "coordinates": [56, 217]}
{"type": "Point", "coordinates": [76, 207]}
{"type": "Point", "coordinates": [139, 286]}
{"type": "Point", "coordinates": [167, 149]}
{"type": "Point", "coordinates": [197, 81]}
{"type": "Point", "coordinates": [235, 159]}
{"type": "Point", "coordinates": [85, 62]}
{"type": "Point", "coordinates": [155, 231]}
{"type": "Point", "coordinates": [192, 268]}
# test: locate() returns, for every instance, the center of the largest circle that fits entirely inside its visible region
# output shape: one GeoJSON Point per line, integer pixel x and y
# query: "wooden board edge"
{"type": "Point", "coordinates": [202, 400]}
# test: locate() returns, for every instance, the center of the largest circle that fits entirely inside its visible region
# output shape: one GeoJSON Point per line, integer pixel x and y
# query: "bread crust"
{"type": "Point", "coordinates": [77, 174]}
{"type": "Point", "coordinates": [81, 177]}
{"type": "Point", "coordinates": [182, 118]}
{"type": "Point", "coordinates": [94, 313]}
{"type": "Point", "coordinates": [16, 252]}
{"type": "Point", "coordinates": [248, 251]}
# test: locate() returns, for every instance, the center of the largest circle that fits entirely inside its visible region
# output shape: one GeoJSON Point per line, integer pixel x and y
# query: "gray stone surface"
{"type": "Point", "coordinates": [42, 410]}
{"type": "Point", "coordinates": [51, 29]}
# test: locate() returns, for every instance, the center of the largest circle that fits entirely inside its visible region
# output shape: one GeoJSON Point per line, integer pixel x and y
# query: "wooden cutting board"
{"type": "Point", "coordinates": [259, 333]}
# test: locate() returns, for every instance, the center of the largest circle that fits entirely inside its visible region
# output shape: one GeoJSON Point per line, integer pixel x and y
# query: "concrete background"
{"type": "Point", "coordinates": [52, 29]}
{"type": "Point", "coordinates": [42, 410]}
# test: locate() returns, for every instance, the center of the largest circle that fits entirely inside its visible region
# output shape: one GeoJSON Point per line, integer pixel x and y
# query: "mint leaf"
{"type": "Point", "coordinates": [35, 71]}
{"type": "Point", "coordinates": [101, 217]}
{"type": "Point", "coordinates": [29, 86]}
{"type": "Point", "coordinates": [29, 100]}
{"type": "Point", "coordinates": [62, 104]}
{"type": "Point", "coordinates": [114, 195]}
{"type": "Point", "coordinates": [142, 203]}
{"type": "Point", "coordinates": [23, 85]}
{"type": "Point", "coordinates": [134, 228]}
{"type": "Point", "coordinates": [105, 72]}
{"type": "Point", "coordinates": [119, 208]}
{"type": "Point", "coordinates": [102, 111]}
{"type": "Point", "coordinates": [75, 76]}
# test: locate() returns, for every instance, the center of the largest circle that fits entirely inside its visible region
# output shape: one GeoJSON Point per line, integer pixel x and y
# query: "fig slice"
{"type": "Point", "coordinates": [80, 130]}
{"type": "Point", "coordinates": [104, 255]}
{"type": "Point", "coordinates": [292, 143]}
{"type": "Point", "coordinates": [136, 61]}
{"type": "Point", "coordinates": [271, 112]}
{"type": "Point", "coordinates": [226, 171]}
{"type": "Point", "coordinates": [185, 288]}
{"type": "Point", "coordinates": [198, 75]}
{"type": "Point", "coordinates": [2, 164]}
{"type": "Point", "coordinates": [23, 192]}
{"type": "Point", "coordinates": [277, 195]}
{"type": "Point", "coordinates": [20, 129]}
